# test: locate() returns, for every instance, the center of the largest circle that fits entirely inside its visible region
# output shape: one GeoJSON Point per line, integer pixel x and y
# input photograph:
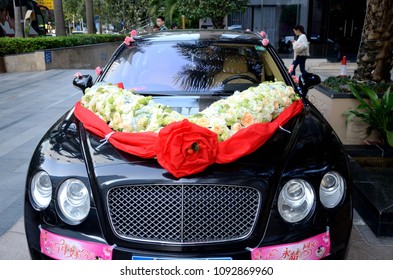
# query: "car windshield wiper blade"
{"type": "Point", "coordinates": [154, 93]}
{"type": "Point", "coordinates": [222, 93]}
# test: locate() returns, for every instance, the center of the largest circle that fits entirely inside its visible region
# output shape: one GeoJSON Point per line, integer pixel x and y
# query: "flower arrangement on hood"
{"type": "Point", "coordinates": [222, 133]}
{"type": "Point", "coordinates": [126, 111]}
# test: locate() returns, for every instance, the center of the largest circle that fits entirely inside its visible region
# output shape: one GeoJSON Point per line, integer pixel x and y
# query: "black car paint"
{"type": "Point", "coordinates": [308, 151]}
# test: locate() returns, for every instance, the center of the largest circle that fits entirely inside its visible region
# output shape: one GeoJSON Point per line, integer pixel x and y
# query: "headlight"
{"type": "Point", "coordinates": [74, 201]}
{"type": "Point", "coordinates": [296, 200]}
{"type": "Point", "coordinates": [331, 190]}
{"type": "Point", "coordinates": [40, 190]}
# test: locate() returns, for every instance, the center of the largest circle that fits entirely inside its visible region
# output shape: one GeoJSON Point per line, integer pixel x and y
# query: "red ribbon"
{"type": "Point", "coordinates": [172, 144]}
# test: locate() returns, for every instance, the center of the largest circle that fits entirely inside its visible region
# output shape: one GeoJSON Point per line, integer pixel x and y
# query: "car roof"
{"type": "Point", "coordinates": [217, 35]}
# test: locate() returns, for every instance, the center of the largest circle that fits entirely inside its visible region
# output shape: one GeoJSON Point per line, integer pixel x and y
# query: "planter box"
{"type": "Point", "coordinates": [373, 193]}
{"type": "Point", "coordinates": [80, 57]}
{"type": "Point", "coordinates": [332, 105]}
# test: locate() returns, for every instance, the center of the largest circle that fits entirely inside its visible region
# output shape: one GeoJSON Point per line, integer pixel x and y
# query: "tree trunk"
{"type": "Point", "coordinates": [374, 61]}
{"type": "Point", "coordinates": [89, 17]}
{"type": "Point", "coordinates": [19, 12]}
{"type": "Point", "coordinates": [59, 18]}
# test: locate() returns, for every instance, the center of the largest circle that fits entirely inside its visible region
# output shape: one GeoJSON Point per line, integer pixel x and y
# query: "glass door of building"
{"type": "Point", "coordinates": [335, 27]}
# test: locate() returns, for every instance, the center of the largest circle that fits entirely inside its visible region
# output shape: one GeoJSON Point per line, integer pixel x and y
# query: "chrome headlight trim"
{"type": "Point", "coordinates": [296, 200]}
{"type": "Point", "coordinates": [331, 189]}
{"type": "Point", "coordinates": [40, 190]}
{"type": "Point", "coordinates": [73, 201]}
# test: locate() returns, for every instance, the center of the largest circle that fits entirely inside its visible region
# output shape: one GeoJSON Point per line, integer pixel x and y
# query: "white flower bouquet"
{"type": "Point", "coordinates": [125, 111]}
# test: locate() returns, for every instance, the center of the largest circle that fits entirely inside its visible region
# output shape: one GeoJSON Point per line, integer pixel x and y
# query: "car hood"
{"type": "Point", "coordinates": [112, 166]}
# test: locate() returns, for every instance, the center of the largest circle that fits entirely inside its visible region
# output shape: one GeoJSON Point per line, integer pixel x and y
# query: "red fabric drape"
{"type": "Point", "coordinates": [172, 144]}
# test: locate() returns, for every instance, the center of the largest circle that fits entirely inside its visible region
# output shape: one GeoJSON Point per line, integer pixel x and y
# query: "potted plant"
{"type": "Point", "coordinates": [377, 112]}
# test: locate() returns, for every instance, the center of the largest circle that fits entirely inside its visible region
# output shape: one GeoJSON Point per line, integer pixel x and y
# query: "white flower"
{"type": "Point", "coordinates": [126, 111]}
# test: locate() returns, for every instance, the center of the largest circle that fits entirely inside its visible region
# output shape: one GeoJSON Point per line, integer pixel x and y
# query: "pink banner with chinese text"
{"type": "Point", "coordinates": [313, 248]}
{"type": "Point", "coordinates": [64, 248]}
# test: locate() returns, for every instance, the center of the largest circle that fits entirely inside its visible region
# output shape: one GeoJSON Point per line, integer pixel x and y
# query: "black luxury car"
{"type": "Point", "coordinates": [190, 144]}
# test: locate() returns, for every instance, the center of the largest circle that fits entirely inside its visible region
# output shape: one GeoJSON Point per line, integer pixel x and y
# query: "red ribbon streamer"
{"type": "Point", "coordinates": [174, 141]}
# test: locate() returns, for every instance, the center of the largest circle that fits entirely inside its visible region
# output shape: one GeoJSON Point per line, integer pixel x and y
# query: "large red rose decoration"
{"type": "Point", "coordinates": [184, 148]}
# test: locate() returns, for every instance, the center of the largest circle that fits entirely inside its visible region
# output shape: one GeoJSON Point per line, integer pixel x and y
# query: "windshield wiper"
{"type": "Point", "coordinates": [222, 93]}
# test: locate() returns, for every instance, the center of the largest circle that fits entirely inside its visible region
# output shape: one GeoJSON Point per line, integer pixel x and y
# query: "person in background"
{"type": "Point", "coordinates": [161, 23]}
{"type": "Point", "coordinates": [301, 51]}
{"type": "Point", "coordinates": [7, 23]}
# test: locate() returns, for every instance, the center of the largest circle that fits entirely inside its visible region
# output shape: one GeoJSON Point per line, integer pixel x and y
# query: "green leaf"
{"type": "Point", "coordinates": [389, 137]}
{"type": "Point", "coordinates": [375, 102]}
{"type": "Point", "coordinates": [388, 99]}
{"type": "Point", "coordinates": [355, 92]}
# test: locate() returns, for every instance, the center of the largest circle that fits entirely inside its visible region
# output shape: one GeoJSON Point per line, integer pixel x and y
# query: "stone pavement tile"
{"type": "Point", "coordinates": [365, 245]}
{"type": "Point", "coordinates": [360, 249]}
{"type": "Point", "coordinates": [356, 249]}
{"type": "Point", "coordinates": [13, 244]}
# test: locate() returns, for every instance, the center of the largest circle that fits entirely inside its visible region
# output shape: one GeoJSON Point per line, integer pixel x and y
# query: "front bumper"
{"type": "Point", "coordinates": [55, 246]}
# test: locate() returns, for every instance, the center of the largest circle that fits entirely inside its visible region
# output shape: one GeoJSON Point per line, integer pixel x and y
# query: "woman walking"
{"type": "Point", "coordinates": [300, 49]}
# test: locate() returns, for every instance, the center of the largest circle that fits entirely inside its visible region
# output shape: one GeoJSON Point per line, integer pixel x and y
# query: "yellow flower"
{"type": "Point", "coordinates": [217, 129]}
{"type": "Point", "coordinates": [236, 127]}
{"type": "Point", "coordinates": [117, 118]}
{"type": "Point", "coordinates": [203, 121]}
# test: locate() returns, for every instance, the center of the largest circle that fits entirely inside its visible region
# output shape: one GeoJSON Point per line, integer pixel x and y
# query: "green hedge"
{"type": "Point", "coordinates": [32, 44]}
{"type": "Point", "coordinates": [341, 84]}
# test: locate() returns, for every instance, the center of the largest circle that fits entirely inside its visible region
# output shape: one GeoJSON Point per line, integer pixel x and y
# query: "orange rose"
{"type": "Point", "coordinates": [247, 119]}
{"type": "Point", "coordinates": [184, 148]}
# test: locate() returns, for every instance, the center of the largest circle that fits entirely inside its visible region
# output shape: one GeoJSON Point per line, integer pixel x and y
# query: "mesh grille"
{"type": "Point", "coordinates": [183, 213]}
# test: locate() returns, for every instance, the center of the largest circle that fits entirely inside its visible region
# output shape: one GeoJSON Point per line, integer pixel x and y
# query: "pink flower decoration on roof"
{"type": "Point", "coordinates": [263, 34]}
{"type": "Point", "coordinates": [290, 70]}
{"type": "Point", "coordinates": [265, 42]}
{"type": "Point", "coordinates": [98, 70]}
{"type": "Point", "coordinates": [128, 40]}
{"type": "Point", "coordinates": [295, 79]}
{"type": "Point", "coordinates": [133, 33]}
{"type": "Point", "coordinates": [78, 75]}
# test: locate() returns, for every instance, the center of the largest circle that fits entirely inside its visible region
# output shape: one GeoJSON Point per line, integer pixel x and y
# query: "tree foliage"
{"type": "Point", "coordinates": [216, 10]}
{"type": "Point", "coordinates": [74, 10]}
{"type": "Point", "coordinates": [166, 8]}
{"type": "Point", "coordinates": [128, 13]}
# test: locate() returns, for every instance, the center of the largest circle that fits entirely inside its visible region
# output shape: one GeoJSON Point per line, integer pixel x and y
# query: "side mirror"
{"type": "Point", "coordinates": [83, 82]}
{"type": "Point", "coordinates": [308, 81]}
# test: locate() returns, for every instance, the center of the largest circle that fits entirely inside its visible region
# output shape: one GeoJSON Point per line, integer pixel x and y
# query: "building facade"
{"type": "Point", "coordinates": [333, 27]}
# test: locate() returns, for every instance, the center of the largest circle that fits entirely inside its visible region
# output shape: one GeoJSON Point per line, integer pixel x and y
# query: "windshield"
{"type": "Point", "coordinates": [176, 68]}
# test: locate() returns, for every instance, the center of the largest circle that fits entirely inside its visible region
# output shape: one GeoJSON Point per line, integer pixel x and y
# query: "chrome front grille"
{"type": "Point", "coordinates": [183, 214]}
